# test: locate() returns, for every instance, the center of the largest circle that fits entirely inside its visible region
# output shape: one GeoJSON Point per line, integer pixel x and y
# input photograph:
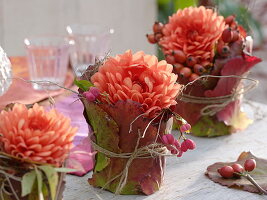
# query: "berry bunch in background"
{"type": "Point", "coordinates": [192, 46]}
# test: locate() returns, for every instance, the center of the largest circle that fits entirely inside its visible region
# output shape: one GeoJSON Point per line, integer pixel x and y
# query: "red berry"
{"type": "Point", "coordinates": [184, 147]}
{"type": "Point", "coordinates": [237, 168]}
{"type": "Point", "coordinates": [151, 38]}
{"type": "Point", "coordinates": [190, 144]}
{"type": "Point", "coordinates": [185, 127]}
{"type": "Point", "coordinates": [227, 35]}
{"type": "Point", "coordinates": [94, 91]}
{"type": "Point", "coordinates": [157, 27]}
{"type": "Point", "coordinates": [250, 165]}
{"type": "Point", "coordinates": [193, 77]}
{"type": "Point", "coordinates": [226, 172]}
{"type": "Point", "coordinates": [158, 36]}
{"type": "Point", "coordinates": [179, 56]}
{"type": "Point", "coordinates": [191, 61]}
{"type": "Point", "coordinates": [229, 20]}
{"type": "Point", "coordinates": [170, 59]}
{"type": "Point", "coordinates": [235, 36]}
{"type": "Point", "coordinates": [185, 72]}
{"type": "Point", "coordinates": [89, 96]}
{"type": "Point", "coordinates": [198, 69]}
{"type": "Point", "coordinates": [177, 67]}
{"type": "Point", "coordinates": [168, 139]}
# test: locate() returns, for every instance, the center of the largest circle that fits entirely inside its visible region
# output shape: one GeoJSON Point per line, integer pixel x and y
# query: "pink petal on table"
{"type": "Point", "coordinates": [81, 158]}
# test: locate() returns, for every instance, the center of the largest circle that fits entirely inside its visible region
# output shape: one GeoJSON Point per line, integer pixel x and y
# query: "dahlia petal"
{"type": "Point", "coordinates": [35, 147]}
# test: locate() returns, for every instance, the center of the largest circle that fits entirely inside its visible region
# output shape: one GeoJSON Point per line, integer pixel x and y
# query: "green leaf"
{"type": "Point", "coordinates": [101, 162]}
{"type": "Point", "coordinates": [181, 4]}
{"type": "Point", "coordinates": [27, 183]}
{"type": "Point", "coordinates": [210, 127]}
{"type": "Point", "coordinates": [52, 177]}
{"type": "Point", "coordinates": [65, 170]}
{"type": "Point", "coordinates": [39, 182]}
{"type": "Point", "coordinates": [83, 84]}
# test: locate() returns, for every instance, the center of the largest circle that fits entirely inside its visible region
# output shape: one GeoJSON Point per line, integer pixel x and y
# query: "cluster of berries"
{"type": "Point", "coordinates": [236, 169]}
{"type": "Point", "coordinates": [91, 94]}
{"type": "Point", "coordinates": [182, 64]}
{"type": "Point", "coordinates": [230, 35]}
{"type": "Point", "coordinates": [174, 146]}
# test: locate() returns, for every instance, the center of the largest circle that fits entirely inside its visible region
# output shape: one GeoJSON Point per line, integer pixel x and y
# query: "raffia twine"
{"type": "Point", "coordinates": [216, 104]}
{"type": "Point", "coordinates": [150, 151]}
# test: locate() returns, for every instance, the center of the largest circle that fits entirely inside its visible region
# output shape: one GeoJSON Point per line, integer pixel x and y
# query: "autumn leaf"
{"type": "Point", "coordinates": [259, 174]}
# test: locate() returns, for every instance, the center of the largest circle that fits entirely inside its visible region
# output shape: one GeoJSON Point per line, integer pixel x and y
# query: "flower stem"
{"type": "Point", "coordinates": [247, 176]}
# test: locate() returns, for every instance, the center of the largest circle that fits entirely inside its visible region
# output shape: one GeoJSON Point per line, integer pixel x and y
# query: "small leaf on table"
{"type": "Point", "coordinates": [259, 174]}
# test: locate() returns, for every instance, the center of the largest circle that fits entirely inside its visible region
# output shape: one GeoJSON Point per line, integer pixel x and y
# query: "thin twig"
{"type": "Point", "coordinates": [11, 187]}
{"type": "Point", "coordinates": [247, 176]}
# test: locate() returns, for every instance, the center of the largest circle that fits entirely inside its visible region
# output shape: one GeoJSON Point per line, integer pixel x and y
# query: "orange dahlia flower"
{"type": "Point", "coordinates": [35, 134]}
{"type": "Point", "coordinates": [193, 30]}
{"type": "Point", "coordinates": [138, 77]}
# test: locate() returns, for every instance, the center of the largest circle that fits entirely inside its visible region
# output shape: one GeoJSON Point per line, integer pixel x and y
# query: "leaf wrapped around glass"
{"type": "Point", "coordinates": [33, 147]}
{"type": "Point", "coordinates": [127, 101]}
{"type": "Point", "coordinates": [212, 55]}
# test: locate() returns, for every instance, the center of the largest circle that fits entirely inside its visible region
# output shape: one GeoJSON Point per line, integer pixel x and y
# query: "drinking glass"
{"type": "Point", "coordinates": [5, 72]}
{"type": "Point", "coordinates": [48, 61]}
{"type": "Point", "coordinates": [89, 42]}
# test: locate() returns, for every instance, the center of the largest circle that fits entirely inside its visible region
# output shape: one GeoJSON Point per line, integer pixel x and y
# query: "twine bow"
{"type": "Point", "coordinates": [149, 151]}
{"type": "Point", "coordinates": [216, 104]}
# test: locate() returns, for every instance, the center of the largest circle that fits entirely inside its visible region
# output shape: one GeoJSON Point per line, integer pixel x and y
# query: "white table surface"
{"type": "Point", "coordinates": [185, 177]}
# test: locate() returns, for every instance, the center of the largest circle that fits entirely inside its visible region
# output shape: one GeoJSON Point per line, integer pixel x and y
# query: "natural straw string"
{"type": "Point", "coordinates": [217, 103]}
{"type": "Point", "coordinates": [151, 150]}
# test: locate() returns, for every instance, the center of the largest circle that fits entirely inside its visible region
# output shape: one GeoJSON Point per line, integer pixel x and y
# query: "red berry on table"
{"type": "Point", "coordinates": [179, 56]}
{"type": "Point", "coordinates": [250, 165]}
{"type": "Point", "coordinates": [226, 172]}
{"type": "Point", "coordinates": [191, 61]}
{"type": "Point", "coordinates": [193, 77]}
{"type": "Point", "coordinates": [177, 67]}
{"type": "Point", "coordinates": [151, 38]}
{"type": "Point", "coordinates": [158, 36]}
{"type": "Point", "coordinates": [157, 27]}
{"type": "Point", "coordinates": [198, 69]}
{"type": "Point", "coordinates": [227, 35]}
{"type": "Point", "coordinates": [170, 59]}
{"type": "Point", "coordinates": [237, 168]}
{"type": "Point", "coordinates": [185, 72]}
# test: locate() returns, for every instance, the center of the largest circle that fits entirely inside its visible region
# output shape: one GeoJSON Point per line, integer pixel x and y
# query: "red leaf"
{"type": "Point", "coordinates": [236, 66]}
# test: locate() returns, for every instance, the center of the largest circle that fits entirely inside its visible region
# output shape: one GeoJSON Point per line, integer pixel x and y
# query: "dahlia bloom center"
{"type": "Point", "coordinates": [35, 134]}
{"type": "Point", "coordinates": [138, 77]}
{"type": "Point", "coordinates": [195, 31]}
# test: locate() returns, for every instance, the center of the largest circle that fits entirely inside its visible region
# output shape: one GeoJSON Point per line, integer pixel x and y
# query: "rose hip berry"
{"type": "Point", "coordinates": [179, 56]}
{"type": "Point", "coordinates": [151, 38]}
{"type": "Point", "coordinates": [237, 168]}
{"type": "Point", "coordinates": [226, 172]}
{"type": "Point", "coordinates": [250, 165]}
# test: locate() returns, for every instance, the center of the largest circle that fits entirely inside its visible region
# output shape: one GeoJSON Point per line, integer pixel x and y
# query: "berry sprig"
{"type": "Point", "coordinates": [174, 145]}
{"type": "Point", "coordinates": [189, 67]}
{"type": "Point", "coordinates": [92, 94]}
{"type": "Point", "coordinates": [237, 171]}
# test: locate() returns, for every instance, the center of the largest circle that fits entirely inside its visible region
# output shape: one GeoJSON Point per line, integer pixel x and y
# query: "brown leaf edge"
{"type": "Point", "coordinates": [259, 174]}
